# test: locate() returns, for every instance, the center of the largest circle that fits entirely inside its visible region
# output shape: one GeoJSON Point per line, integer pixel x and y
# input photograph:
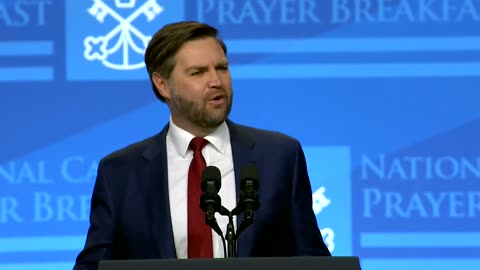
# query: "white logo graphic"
{"type": "Point", "coordinates": [328, 236]}
{"type": "Point", "coordinates": [100, 47]}
{"type": "Point", "coordinates": [319, 203]}
{"type": "Point", "coordinates": [319, 200]}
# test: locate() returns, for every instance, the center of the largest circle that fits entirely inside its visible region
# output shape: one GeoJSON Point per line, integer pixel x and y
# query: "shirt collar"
{"type": "Point", "coordinates": [181, 138]}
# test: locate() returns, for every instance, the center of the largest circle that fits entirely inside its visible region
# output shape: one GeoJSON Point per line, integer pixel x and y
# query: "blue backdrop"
{"type": "Point", "coordinates": [383, 95]}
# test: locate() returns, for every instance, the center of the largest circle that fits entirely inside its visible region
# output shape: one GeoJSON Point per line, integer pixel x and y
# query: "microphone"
{"type": "Point", "coordinates": [210, 201]}
{"type": "Point", "coordinates": [248, 201]}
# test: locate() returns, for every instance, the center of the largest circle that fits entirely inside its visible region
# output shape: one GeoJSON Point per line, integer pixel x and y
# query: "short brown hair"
{"type": "Point", "coordinates": [164, 45]}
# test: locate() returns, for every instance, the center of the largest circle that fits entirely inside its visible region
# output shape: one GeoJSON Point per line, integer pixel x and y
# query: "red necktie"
{"type": "Point", "coordinates": [199, 233]}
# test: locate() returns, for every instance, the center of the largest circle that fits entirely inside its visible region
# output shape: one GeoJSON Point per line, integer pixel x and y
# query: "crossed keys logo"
{"type": "Point", "coordinates": [320, 201]}
{"type": "Point", "coordinates": [101, 47]}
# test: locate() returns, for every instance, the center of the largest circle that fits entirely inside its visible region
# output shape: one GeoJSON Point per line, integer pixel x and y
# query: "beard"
{"type": "Point", "coordinates": [197, 112]}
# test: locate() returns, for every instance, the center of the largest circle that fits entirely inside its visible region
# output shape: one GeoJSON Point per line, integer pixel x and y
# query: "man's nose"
{"type": "Point", "coordinates": [214, 79]}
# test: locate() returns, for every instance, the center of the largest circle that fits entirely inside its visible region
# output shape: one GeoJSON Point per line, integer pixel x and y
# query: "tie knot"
{"type": "Point", "coordinates": [197, 143]}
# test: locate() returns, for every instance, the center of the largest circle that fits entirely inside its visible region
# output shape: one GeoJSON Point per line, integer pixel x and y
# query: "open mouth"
{"type": "Point", "coordinates": [217, 99]}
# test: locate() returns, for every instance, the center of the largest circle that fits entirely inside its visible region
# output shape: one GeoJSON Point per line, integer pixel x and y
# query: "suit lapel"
{"type": "Point", "coordinates": [155, 187]}
{"type": "Point", "coordinates": [243, 152]}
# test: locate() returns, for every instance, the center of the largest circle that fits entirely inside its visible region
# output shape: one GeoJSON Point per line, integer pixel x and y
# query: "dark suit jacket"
{"type": "Point", "coordinates": [130, 212]}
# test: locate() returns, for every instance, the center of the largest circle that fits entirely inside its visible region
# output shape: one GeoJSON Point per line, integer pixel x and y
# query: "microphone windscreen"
{"type": "Point", "coordinates": [250, 172]}
{"type": "Point", "coordinates": [211, 173]}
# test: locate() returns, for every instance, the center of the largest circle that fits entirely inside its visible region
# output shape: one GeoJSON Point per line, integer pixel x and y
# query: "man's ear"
{"type": "Point", "coordinates": [162, 86]}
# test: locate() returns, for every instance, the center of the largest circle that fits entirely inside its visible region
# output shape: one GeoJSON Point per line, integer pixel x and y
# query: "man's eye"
{"type": "Point", "coordinates": [195, 73]}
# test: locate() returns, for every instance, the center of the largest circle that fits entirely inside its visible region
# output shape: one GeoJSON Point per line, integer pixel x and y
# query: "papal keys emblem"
{"type": "Point", "coordinates": [114, 49]}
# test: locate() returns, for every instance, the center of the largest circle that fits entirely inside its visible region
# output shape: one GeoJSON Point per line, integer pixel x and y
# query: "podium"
{"type": "Point", "coordinates": [261, 263]}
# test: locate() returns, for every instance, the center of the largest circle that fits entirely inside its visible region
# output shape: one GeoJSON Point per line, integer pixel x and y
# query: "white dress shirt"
{"type": "Point", "coordinates": [218, 152]}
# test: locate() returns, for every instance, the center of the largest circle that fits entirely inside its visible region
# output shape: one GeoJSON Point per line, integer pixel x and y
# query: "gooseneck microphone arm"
{"type": "Point", "coordinates": [210, 201]}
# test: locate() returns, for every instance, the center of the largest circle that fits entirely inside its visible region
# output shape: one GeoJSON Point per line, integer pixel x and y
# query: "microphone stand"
{"type": "Point", "coordinates": [210, 202]}
{"type": "Point", "coordinates": [230, 235]}
{"type": "Point", "coordinates": [231, 239]}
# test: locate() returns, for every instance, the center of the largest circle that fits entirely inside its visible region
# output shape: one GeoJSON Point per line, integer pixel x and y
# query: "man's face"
{"type": "Point", "coordinates": [200, 85]}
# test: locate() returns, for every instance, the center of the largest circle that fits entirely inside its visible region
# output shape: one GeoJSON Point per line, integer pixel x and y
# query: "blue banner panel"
{"type": "Point", "coordinates": [106, 39]}
{"type": "Point", "coordinates": [331, 184]}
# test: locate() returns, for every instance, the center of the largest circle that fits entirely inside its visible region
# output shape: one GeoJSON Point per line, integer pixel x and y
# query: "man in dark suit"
{"type": "Point", "coordinates": [144, 204]}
